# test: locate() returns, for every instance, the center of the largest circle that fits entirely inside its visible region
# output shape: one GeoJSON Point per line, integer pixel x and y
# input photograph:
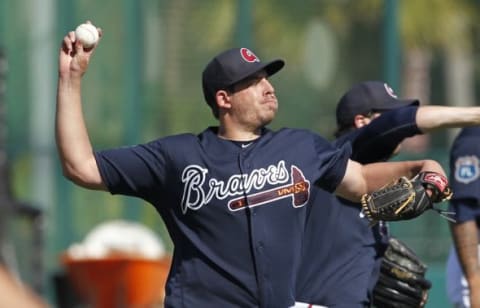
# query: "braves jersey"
{"type": "Point", "coordinates": [342, 253]}
{"type": "Point", "coordinates": [234, 213]}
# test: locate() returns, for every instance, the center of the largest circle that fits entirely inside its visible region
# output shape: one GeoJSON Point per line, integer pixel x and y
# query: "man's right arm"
{"type": "Point", "coordinates": [73, 143]}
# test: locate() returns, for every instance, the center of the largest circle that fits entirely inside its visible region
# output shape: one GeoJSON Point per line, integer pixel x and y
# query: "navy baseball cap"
{"type": "Point", "coordinates": [231, 67]}
{"type": "Point", "coordinates": [366, 97]}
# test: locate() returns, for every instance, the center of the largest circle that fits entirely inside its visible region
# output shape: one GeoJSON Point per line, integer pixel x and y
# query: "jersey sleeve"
{"type": "Point", "coordinates": [378, 140]}
{"type": "Point", "coordinates": [132, 171]}
{"type": "Point", "coordinates": [333, 165]}
{"type": "Point", "coordinates": [465, 209]}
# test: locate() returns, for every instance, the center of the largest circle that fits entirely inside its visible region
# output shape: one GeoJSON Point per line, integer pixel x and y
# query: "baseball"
{"type": "Point", "coordinates": [87, 34]}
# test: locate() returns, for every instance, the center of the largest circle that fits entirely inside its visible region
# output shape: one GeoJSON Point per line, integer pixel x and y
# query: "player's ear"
{"type": "Point", "coordinates": [223, 99]}
{"type": "Point", "coordinates": [360, 120]}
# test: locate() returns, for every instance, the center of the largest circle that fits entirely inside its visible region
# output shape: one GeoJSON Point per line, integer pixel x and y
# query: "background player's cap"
{"type": "Point", "coordinates": [232, 66]}
{"type": "Point", "coordinates": [366, 97]}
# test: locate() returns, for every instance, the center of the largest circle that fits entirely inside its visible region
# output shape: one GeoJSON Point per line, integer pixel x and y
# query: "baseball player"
{"type": "Point", "coordinates": [232, 197]}
{"type": "Point", "coordinates": [463, 274]}
{"type": "Point", "coordinates": [342, 253]}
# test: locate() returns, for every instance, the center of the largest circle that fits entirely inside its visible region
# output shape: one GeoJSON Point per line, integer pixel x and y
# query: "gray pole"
{"type": "Point", "coordinates": [244, 24]}
{"type": "Point", "coordinates": [63, 215]}
{"type": "Point", "coordinates": [391, 44]}
{"type": "Point", "coordinates": [42, 100]}
{"type": "Point", "coordinates": [133, 77]}
{"type": "Point", "coordinates": [42, 63]}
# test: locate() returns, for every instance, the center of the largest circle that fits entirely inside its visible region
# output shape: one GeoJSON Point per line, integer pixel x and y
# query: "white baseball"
{"type": "Point", "coordinates": [87, 34]}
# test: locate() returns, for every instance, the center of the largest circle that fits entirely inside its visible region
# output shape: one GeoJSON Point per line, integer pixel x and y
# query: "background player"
{"type": "Point", "coordinates": [342, 253]}
{"type": "Point", "coordinates": [463, 268]}
{"type": "Point", "coordinates": [225, 195]}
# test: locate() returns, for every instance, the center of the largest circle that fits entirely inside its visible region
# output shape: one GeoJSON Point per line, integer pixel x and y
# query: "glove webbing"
{"type": "Point", "coordinates": [399, 253]}
{"type": "Point", "coordinates": [406, 288]}
{"type": "Point", "coordinates": [392, 269]}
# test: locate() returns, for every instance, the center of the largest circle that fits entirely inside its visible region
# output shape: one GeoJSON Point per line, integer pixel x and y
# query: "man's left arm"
{"type": "Point", "coordinates": [430, 118]}
{"type": "Point", "coordinates": [363, 179]}
{"type": "Point", "coordinates": [379, 140]}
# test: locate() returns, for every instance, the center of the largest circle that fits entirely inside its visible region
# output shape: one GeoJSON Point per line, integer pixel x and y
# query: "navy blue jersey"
{"type": "Point", "coordinates": [465, 175]}
{"type": "Point", "coordinates": [341, 251]}
{"type": "Point", "coordinates": [235, 214]}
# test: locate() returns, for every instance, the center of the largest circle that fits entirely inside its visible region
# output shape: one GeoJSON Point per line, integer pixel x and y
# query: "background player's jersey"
{"type": "Point", "coordinates": [465, 174]}
{"type": "Point", "coordinates": [465, 202]}
{"type": "Point", "coordinates": [235, 213]}
{"type": "Point", "coordinates": [341, 252]}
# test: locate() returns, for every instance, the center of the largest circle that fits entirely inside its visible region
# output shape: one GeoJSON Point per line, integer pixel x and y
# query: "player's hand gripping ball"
{"type": "Point", "coordinates": [87, 34]}
{"type": "Point", "coordinates": [406, 198]}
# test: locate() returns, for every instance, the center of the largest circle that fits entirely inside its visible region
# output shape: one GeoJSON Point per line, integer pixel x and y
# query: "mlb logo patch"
{"type": "Point", "coordinates": [466, 169]}
{"type": "Point", "coordinates": [389, 90]}
{"type": "Point", "coordinates": [248, 55]}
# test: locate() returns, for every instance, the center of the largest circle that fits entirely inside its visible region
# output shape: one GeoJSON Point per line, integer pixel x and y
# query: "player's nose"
{"type": "Point", "coordinates": [269, 89]}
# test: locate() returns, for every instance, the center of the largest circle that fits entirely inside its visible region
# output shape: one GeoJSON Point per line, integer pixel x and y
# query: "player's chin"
{"type": "Point", "coordinates": [268, 117]}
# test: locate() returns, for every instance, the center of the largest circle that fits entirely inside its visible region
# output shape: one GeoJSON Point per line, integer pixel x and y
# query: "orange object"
{"type": "Point", "coordinates": [119, 281]}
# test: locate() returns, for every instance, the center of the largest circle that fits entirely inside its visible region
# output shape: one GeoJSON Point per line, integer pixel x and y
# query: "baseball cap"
{"type": "Point", "coordinates": [366, 97]}
{"type": "Point", "coordinates": [232, 66]}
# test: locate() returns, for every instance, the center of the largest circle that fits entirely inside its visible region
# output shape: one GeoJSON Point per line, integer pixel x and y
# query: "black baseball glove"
{"type": "Point", "coordinates": [406, 198]}
{"type": "Point", "coordinates": [402, 280]}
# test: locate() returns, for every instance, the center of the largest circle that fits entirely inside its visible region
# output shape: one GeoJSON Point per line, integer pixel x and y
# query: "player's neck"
{"type": "Point", "coordinates": [238, 134]}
